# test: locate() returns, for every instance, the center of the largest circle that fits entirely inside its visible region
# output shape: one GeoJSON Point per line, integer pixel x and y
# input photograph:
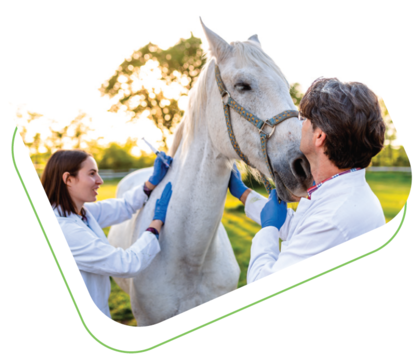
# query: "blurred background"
{"type": "Point", "coordinates": [100, 75]}
{"type": "Point", "coordinates": [150, 87]}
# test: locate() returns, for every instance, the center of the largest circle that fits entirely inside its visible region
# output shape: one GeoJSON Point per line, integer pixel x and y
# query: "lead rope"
{"type": "Point", "coordinates": [258, 123]}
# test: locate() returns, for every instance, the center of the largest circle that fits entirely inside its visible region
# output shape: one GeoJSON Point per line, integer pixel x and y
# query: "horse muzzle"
{"type": "Point", "coordinates": [292, 176]}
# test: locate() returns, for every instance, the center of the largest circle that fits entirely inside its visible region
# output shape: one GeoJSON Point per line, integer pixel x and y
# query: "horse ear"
{"type": "Point", "coordinates": [218, 46]}
{"type": "Point", "coordinates": [255, 39]}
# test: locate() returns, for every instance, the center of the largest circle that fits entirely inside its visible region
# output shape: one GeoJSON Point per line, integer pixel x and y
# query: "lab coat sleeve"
{"type": "Point", "coordinates": [284, 230]}
{"type": "Point", "coordinates": [314, 237]}
{"type": "Point", "coordinates": [264, 253]}
{"type": "Point", "coordinates": [96, 256]}
{"type": "Point", "coordinates": [253, 207]}
{"type": "Point", "coordinates": [114, 211]}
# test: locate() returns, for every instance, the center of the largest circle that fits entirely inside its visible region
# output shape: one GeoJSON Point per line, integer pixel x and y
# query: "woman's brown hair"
{"type": "Point", "coordinates": [52, 179]}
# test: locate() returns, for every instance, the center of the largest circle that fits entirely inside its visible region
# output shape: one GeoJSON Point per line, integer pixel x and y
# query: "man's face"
{"type": "Point", "coordinates": [307, 138]}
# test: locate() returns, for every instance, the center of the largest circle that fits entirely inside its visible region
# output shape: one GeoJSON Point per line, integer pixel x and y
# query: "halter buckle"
{"type": "Point", "coordinates": [262, 129]}
{"type": "Point", "coordinates": [224, 93]}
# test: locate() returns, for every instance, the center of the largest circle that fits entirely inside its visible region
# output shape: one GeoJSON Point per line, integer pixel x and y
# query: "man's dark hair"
{"type": "Point", "coordinates": [350, 116]}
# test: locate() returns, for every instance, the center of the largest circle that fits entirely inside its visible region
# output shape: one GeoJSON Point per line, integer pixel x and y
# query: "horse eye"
{"type": "Point", "coordinates": [241, 86]}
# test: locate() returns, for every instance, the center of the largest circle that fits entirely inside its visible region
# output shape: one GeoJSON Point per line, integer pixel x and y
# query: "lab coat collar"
{"type": "Point", "coordinates": [71, 216]}
{"type": "Point", "coordinates": [93, 224]}
{"type": "Point", "coordinates": [58, 209]}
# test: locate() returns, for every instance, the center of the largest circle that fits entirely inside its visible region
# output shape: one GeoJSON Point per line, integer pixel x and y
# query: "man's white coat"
{"type": "Point", "coordinates": [341, 209]}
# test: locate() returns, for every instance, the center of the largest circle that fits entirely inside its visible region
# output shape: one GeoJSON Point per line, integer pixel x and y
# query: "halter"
{"type": "Point", "coordinates": [257, 122]}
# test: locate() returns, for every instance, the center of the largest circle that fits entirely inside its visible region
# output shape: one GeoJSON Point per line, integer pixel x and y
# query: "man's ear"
{"type": "Point", "coordinates": [320, 137]}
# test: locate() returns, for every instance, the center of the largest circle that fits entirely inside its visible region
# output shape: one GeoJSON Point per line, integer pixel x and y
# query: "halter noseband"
{"type": "Point", "coordinates": [257, 122]}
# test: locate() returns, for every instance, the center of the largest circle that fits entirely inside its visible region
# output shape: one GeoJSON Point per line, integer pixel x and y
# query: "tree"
{"type": "Point", "coordinates": [116, 157]}
{"type": "Point", "coordinates": [71, 135]}
{"type": "Point", "coordinates": [24, 119]}
{"type": "Point", "coordinates": [36, 144]}
{"type": "Point", "coordinates": [156, 82]}
{"type": "Point", "coordinates": [296, 93]}
{"type": "Point", "coordinates": [392, 154]}
{"type": "Point", "coordinates": [152, 81]}
{"type": "Point", "coordinates": [119, 157]}
{"type": "Point", "coordinates": [80, 127]}
{"type": "Point", "coordinates": [55, 139]}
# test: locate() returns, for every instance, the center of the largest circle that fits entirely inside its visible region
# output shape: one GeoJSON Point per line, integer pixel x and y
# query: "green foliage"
{"type": "Point", "coordinates": [152, 80]}
{"type": "Point", "coordinates": [178, 66]}
{"type": "Point", "coordinates": [119, 157]}
{"type": "Point", "coordinates": [74, 135]}
{"type": "Point", "coordinates": [390, 155]}
{"type": "Point", "coordinates": [41, 147]}
{"type": "Point", "coordinates": [116, 157]}
{"type": "Point", "coordinates": [296, 93]}
{"type": "Point", "coordinates": [80, 128]}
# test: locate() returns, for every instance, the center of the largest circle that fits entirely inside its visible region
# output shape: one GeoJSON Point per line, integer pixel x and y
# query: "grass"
{"type": "Point", "coordinates": [391, 188]}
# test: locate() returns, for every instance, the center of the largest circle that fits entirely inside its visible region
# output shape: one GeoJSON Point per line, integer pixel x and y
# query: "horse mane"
{"type": "Point", "coordinates": [198, 94]}
{"type": "Point", "coordinates": [248, 53]}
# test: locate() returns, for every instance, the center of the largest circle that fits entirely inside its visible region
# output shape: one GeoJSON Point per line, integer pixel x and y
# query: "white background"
{"type": "Point", "coordinates": [368, 306]}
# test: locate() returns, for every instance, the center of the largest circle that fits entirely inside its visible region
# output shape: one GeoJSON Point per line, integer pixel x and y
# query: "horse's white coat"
{"type": "Point", "coordinates": [197, 262]}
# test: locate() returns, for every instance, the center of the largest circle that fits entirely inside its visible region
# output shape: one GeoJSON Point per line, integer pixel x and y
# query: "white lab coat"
{"type": "Point", "coordinates": [96, 259]}
{"type": "Point", "coordinates": [341, 209]}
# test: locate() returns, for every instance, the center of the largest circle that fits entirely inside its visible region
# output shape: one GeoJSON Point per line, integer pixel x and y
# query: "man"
{"type": "Point", "coordinates": [342, 129]}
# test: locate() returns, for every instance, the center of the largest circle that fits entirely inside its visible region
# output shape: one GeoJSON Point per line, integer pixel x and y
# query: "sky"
{"type": "Point", "coordinates": [59, 53]}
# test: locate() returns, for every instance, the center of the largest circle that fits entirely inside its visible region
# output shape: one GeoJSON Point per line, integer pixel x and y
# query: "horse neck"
{"type": "Point", "coordinates": [201, 177]}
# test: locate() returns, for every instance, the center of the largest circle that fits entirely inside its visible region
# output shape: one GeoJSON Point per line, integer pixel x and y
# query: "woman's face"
{"type": "Point", "coordinates": [84, 187]}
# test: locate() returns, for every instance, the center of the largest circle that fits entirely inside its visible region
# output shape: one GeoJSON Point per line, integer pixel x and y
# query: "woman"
{"type": "Point", "coordinates": [71, 182]}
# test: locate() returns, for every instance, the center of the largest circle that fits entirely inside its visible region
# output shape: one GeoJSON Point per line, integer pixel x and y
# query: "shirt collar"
{"type": "Point", "coordinates": [316, 187]}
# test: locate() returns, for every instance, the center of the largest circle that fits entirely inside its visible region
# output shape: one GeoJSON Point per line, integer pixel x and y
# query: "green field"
{"type": "Point", "coordinates": [391, 188]}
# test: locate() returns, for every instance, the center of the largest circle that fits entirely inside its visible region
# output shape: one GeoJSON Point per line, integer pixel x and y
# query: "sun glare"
{"type": "Point", "coordinates": [183, 103]}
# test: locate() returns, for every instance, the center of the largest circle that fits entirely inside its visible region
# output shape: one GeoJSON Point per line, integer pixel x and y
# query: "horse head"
{"type": "Point", "coordinates": [257, 84]}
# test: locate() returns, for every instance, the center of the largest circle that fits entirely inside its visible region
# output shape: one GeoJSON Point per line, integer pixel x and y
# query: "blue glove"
{"type": "Point", "coordinates": [159, 168]}
{"type": "Point", "coordinates": [162, 203]}
{"type": "Point", "coordinates": [236, 186]}
{"type": "Point", "coordinates": [274, 213]}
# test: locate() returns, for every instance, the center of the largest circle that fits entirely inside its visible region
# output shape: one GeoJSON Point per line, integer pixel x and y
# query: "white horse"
{"type": "Point", "coordinates": [196, 263]}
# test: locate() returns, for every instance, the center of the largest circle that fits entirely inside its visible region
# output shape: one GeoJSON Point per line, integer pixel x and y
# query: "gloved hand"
{"type": "Point", "coordinates": [162, 203]}
{"type": "Point", "coordinates": [273, 213]}
{"type": "Point", "coordinates": [236, 186]}
{"type": "Point", "coordinates": [159, 168]}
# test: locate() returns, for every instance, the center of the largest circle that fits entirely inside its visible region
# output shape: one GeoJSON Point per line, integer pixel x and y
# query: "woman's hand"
{"type": "Point", "coordinates": [162, 204]}
{"type": "Point", "coordinates": [159, 169]}
{"type": "Point", "coordinates": [236, 187]}
{"type": "Point", "coordinates": [274, 213]}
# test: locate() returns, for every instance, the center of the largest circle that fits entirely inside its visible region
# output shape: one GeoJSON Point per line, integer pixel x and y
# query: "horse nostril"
{"type": "Point", "coordinates": [301, 168]}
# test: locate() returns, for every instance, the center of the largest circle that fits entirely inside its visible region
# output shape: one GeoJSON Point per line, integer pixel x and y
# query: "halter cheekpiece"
{"type": "Point", "coordinates": [254, 120]}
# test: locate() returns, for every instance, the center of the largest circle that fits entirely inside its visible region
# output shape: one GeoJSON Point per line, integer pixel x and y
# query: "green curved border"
{"type": "Point", "coordinates": [206, 324]}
